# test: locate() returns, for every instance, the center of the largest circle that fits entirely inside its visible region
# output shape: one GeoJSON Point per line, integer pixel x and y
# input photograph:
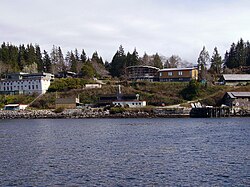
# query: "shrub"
{"type": "Point", "coordinates": [117, 110]}
{"type": "Point", "coordinates": [191, 91]}
{"type": "Point", "coordinates": [59, 110]}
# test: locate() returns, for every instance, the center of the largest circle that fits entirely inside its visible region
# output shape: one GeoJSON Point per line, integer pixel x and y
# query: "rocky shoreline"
{"type": "Point", "coordinates": [78, 114]}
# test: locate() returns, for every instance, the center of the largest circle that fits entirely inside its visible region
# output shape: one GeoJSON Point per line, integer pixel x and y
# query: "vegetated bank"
{"type": "Point", "coordinates": [157, 95]}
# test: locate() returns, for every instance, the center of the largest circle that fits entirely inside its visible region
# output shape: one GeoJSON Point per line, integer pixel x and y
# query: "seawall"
{"type": "Point", "coordinates": [78, 113]}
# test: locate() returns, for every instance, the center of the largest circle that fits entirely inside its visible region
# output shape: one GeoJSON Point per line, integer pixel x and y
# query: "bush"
{"type": "Point", "coordinates": [117, 110]}
{"type": "Point", "coordinates": [59, 110]}
{"type": "Point", "coordinates": [191, 91]}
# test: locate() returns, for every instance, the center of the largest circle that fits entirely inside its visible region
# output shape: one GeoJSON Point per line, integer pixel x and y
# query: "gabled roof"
{"type": "Point", "coordinates": [236, 77]}
{"type": "Point", "coordinates": [235, 95]}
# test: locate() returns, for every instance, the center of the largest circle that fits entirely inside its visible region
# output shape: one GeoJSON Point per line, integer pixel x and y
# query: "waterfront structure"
{"type": "Point", "coordinates": [237, 100]}
{"type": "Point", "coordinates": [141, 73]}
{"type": "Point", "coordinates": [69, 103]}
{"type": "Point", "coordinates": [235, 79]}
{"type": "Point", "coordinates": [177, 74]}
{"type": "Point", "coordinates": [15, 107]}
{"type": "Point", "coordinates": [24, 83]}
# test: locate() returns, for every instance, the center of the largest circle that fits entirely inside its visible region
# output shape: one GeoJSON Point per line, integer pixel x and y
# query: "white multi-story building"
{"type": "Point", "coordinates": [23, 83]}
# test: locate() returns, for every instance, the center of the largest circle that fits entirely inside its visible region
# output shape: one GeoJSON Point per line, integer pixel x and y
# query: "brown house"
{"type": "Point", "coordinates": [68, 103]}
{"type": "Point", "coordinates": [177, 74]}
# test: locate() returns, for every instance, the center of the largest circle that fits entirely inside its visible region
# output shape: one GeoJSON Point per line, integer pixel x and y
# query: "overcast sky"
{"type": "Point", "coordinates": [180, 27]}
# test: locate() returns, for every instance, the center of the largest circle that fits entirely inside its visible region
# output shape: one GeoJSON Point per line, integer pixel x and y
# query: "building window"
{"type": "Point", "coordinates": [170, 73]}
{"type": "Point", "coordinates": [160, 74]}
{"type": "Point", "coordinates": [37, 87]}
{"type": "Point", "coordinates": [179, 72]}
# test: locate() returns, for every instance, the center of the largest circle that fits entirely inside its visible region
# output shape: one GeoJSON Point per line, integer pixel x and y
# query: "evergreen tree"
{"type": "Point", "coordinates": [241, 55]}
{"type": "Point", "coordinates": [83, 57]}
{"type": "Point", "coordinates": [39, 60]}
{"type": "Point", "coordinates": [129, 60]}
{"type": "Point", "coordinates": [87, 70]}
{"type": "Point", "coordinates": [157, 61]}
{"type": "Point", "coordinates": [118, 63]}
{"type": "Point", "coordinates": [231, 61]}
{"type": "Point", "coordinates": [31, 54]}
{"type": "Point", "coordinates": [61, 67]}
{"type": "Point", "coordinates": [21, 57]}
{"type": "Point", "coordinates": [134, 58]}
{"type": "Point", "coordinates": [203, 61]}
{"type": "Point", "coordinates": [73, 62]}
{"type": "Point", "coordinates": [248, 53]}
{"type": "Point", "coordinates": [47, 66]}
{"type": "Point", "coordinates": [145, 60]}
{"type": "Point", "coordinates": [216, 62]}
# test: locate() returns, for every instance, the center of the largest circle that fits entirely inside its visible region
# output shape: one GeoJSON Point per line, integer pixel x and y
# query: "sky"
{"type": "Point", "coordinates": [166, 27]}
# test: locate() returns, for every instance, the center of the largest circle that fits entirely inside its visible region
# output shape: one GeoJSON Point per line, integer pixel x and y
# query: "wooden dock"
{"type": "Point", "coordinates": [213, 112]}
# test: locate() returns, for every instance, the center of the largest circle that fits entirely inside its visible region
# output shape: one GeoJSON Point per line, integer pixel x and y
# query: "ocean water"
{"type": "Point", "coordinates": [125, 152]}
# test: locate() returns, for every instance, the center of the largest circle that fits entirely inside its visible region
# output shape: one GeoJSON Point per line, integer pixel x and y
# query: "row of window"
{"type": "Point", "coordinates": [11, 88]}
{"type": "Point", "coordinates": [132, 103]}
{"type": "Point", "coordinates": [20, 82]}
{"type": "Point", "coordinates": [170, 73]}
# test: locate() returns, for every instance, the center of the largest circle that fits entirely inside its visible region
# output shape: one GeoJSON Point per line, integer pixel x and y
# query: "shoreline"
{"type": "Point", "coordinates": [80, 114]}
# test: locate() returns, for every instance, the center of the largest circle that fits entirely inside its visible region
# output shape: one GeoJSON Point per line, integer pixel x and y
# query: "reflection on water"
{"type": "Point", "coordinates": [125, 152]}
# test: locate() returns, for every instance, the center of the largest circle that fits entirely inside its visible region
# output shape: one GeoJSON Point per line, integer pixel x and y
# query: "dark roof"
{"type": "Point", "coordinates": [235, 95]}
{"type": "Point", "coordinates": [150, 67]}
{"type": "Point", "coordinates": [66, 100]}
{"type": "Point", "coordinates": [236, 77]}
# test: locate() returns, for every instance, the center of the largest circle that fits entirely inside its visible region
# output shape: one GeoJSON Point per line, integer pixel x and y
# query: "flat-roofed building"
{"type": "Point", "coordinates": [24, 83]}
{"type": "Point", "coordinates": [141, 73]}
{"type": "Point", "coordinates": [177, 74]}
{"type": "Point", "coordinates": [15, 107]}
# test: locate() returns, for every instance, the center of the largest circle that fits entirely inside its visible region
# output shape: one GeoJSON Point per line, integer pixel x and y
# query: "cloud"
{"type": "Point", "coordinates": [180, 27]}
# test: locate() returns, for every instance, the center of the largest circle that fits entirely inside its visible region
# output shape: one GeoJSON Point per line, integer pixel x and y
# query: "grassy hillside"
{"type": "Point", "coordinates": [156, 93]}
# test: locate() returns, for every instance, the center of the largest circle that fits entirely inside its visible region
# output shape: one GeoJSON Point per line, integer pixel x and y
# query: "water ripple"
{"type": "Point", "coordinates": [125, 152]}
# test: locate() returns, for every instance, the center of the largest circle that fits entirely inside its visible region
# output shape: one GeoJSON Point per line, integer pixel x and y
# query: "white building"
{"type": "Point", "coordinates": [90, 86]}
{"type": "Point", "coordinates": [23, 83]}
{"type": "Point", "coordinates": [15, 107]}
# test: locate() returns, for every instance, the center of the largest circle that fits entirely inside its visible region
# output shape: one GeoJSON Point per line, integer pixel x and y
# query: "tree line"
{"type": "Point", "coordinates": [31, 59]}
{"type": "Point", "coordinates": [236, 60]}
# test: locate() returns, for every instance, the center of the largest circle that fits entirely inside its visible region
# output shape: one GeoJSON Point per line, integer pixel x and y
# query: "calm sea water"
{"type": "Point", "coordinates": [125, 152]}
